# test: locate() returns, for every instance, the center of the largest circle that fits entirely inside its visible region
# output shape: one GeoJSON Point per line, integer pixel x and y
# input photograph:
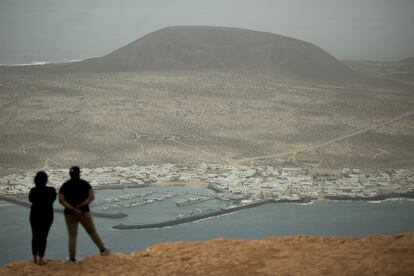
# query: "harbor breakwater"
{"type": "Point", "coordinates": [191, 218]}
{"type": "Point", "coordinates": [60, 210]}
{"type": "Point", "coordinates": [409, 195]}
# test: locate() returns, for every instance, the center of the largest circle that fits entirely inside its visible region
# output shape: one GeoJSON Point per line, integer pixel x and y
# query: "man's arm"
{"type": "Point", "coordinates": [91, 197]}
{"type": "Point", "coordinates": [66, 204]}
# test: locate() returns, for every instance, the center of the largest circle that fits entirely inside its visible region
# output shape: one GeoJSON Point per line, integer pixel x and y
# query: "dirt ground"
{"type": "Point", "coordinates": [183, 117]}
{"type": "Point", "coordinates": [296, 255]}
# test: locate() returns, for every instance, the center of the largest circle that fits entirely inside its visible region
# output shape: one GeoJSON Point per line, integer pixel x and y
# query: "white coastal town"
{"type": "Point", "coordinates": [243, 183]}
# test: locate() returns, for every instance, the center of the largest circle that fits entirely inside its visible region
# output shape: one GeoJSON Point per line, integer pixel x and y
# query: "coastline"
{"type": "Point", "coordinates": [209, 213]}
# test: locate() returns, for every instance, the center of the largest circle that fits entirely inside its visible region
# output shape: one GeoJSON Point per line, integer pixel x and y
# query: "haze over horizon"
{"type": "Point", "coordinates": [58, 30]}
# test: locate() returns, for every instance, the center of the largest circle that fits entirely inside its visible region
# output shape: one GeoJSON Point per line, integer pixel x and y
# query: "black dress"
{"type": "Point", "coordinates": [41, 217]}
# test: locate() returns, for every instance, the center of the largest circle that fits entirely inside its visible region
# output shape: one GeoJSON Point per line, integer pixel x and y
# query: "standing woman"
{"type": "Point", "coordinates": [41, 215]}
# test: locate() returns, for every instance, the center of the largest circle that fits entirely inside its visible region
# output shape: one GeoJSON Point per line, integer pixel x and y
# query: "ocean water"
{"type": "Point", "coordinates": [320, 218]}
{"type": "Point", "coordinates": [29, 63]}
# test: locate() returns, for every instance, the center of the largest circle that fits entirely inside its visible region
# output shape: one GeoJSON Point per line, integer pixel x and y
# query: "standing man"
{"type": "Point", "coordinates": [75, 195]}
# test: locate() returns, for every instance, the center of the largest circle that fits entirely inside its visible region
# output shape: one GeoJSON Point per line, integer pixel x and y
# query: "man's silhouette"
{"type": "Point", "coordinates": [75, 195]}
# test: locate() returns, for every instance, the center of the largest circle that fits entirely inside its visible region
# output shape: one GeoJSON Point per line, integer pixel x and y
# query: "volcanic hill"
{"type": "Point", "coordinates": [206, 47]}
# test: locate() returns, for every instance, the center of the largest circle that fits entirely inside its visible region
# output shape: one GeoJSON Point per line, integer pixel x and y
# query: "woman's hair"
{"type": "Point", "coordinates": [40, 179]}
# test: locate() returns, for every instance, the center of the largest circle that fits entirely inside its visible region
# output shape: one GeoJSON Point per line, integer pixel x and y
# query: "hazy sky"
{"type": "Point", "coordinates": [35, 30]}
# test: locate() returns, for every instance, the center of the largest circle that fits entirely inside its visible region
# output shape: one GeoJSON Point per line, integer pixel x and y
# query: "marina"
{"type": "Point", "coordinates": [133, 200]}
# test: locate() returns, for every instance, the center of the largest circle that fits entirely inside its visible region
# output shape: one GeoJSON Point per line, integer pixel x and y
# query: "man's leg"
{"type": "Point", "coordinates": [72, 225]}
{"type": "Point", "coordinates": [87, 223]}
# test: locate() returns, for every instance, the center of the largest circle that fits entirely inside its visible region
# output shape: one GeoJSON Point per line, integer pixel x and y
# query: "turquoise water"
{"type": "Point", "coordinates": [320, 218]}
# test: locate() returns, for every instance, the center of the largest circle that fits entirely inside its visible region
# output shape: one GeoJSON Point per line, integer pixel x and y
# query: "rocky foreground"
{"type": "Point", "coordinates": [299, 255]}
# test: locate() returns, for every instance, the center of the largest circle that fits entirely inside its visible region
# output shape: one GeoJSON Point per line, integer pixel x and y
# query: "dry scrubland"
{"type": "Point", "coordinates": [375, 255]}
{"type": "Point", "coordinates": [202, 116]}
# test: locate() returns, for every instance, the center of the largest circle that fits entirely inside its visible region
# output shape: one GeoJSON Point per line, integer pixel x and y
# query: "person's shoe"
{"type": "Point", "coordinates": [41, 262]}
{"type": "Point", "coordinates": [105, 251]}
{"type": "Point", "coordinates": [71, 260]}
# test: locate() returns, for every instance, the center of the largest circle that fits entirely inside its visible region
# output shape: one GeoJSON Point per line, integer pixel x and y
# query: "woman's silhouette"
{"type": "Point", "coordinates": [41, 215]}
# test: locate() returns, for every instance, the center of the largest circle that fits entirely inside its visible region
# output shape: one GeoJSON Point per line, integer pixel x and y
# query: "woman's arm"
{"type": "Point", "coordinates": [31, 197]}
{"type": "Point", "coordinates": [52, 195]}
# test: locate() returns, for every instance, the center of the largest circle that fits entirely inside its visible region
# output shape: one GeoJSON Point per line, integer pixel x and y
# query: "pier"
{"type": "Point", "coordinates": [120, 186]}
{"type": "Point", "coordinates": [190, 201]}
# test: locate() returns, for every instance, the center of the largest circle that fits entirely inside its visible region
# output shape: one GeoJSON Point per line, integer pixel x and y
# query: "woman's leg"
{"type": "Point", "coordinates": [44, 231]}
{"type": "Point", "coordinates": [35, 238]}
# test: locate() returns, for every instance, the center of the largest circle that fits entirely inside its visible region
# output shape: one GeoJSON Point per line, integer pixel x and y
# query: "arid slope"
{"type": "Point", "coordinates": [301, 255]}
{"type": "Point", "coordinates": [185, 117]}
